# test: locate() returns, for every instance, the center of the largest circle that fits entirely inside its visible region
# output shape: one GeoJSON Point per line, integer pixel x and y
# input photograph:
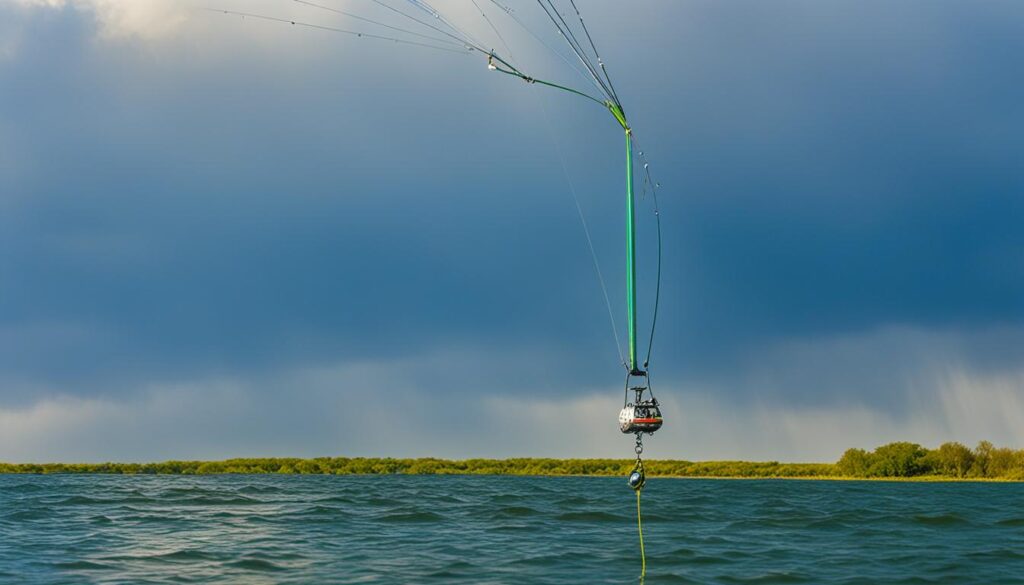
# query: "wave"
{"type": "Point", "coordinates": [940, 519]}
{"type": "Point", "coordinates": [256, 565]}
{"type": "Point", "coordinates": [591, 517]}
{"type": "Point", "coordinates": [521, 531]}
{"type": "Point", "coordinates": [515, 512]}
{"type": "Point", "coordinates": [416, 517]}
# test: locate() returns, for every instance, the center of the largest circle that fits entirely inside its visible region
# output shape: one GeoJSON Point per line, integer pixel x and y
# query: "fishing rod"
{"type": "Point", "coordinates": [641, 413]}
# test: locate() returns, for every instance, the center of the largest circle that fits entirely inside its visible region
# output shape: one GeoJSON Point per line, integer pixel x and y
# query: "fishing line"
{"type": "Point", "coordinates": [600, 61]}
{"type": "Point", "coordinates": [337, 30]}
{"type": "Point", "coordinates": [657, 286]}
{"type": "Point", "coordinates": [371, 21]}
{"type": "Point", "coordinates": [582, 59]}
{"type": "Point", "coordinates": [424, 6]}
{"type": "Point", "coordinates": [572, 36]}
{"type": "Point", "coordinates": [586, 231]}
{"type": "Point", "coordinates": [563, 28]}
{"type": "Point", "coordinates": [578, 47]}
{"type": "Point", "coordinates": [640, 531]}
{"type": "Point", "coordinates": [657, 222]}
{"type": "Point", "coordinates": [492, 57]}
{"type": "Point", "coordinates": [505, 9]}
{"type": "Point", "coordinates": [594, 79]}
{"type": "Point", "coordinates": [463, 41]}
{"type": "Point", "coordinates": [508, 12]}
{"type": "Point", "coordinates": [528, 79]}
{"type": "Point", "coordinates": [579, 210]}
{"type": "Point", "coordinates": [637, 481]}
{"type": "Point", "coordinates": [495, 29]}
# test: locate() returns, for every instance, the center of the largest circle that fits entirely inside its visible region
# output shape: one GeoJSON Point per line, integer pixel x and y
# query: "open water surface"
{"type": "Point", "coordinates": [514, 530]}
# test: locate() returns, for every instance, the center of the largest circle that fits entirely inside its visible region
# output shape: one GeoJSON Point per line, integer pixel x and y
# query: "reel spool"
{"type": "Point", "coordinates": [641, 415]}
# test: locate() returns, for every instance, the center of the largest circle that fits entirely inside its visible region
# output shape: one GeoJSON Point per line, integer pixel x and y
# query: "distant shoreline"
{"type": "Point", "coordinates": [916, 479]}
{"type": "Point", "coordinates": [919, 479]}
{"type": "Point", "coordinates": [884, 467]}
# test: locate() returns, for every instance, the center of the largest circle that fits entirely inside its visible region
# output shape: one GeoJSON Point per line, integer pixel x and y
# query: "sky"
{"type": "Point", "coordinates": [228, 237]}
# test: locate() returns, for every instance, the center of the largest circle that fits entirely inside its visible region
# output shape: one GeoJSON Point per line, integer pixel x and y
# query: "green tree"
{"type": "Point", "coordinates": [1017, 471]}
{"type": "Point", "coordinates": [1000, 463]}
{"type": "Point", "coordinates": [954, 459]}
{"type": "Point", "coordinates": [901, 459]}
{"type": "Point", "coordinates": [854, 463]}
{"type": "Point", "coordinates": [982, 457]}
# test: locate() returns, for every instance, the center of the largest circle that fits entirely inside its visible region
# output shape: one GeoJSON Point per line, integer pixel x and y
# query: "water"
{"type": "Point", "coordinates": [514, 530]}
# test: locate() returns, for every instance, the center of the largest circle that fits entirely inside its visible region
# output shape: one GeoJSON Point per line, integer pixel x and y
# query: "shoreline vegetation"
{"type": "Point", "coordinates": [894, 461]}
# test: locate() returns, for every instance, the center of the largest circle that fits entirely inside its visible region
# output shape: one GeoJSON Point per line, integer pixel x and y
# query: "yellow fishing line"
{"type": "Point", "coordinates": [640, 530]}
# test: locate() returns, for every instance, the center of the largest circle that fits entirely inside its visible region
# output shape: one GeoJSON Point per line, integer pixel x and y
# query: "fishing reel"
{"type": "Point", "coordinates": [643, 414]}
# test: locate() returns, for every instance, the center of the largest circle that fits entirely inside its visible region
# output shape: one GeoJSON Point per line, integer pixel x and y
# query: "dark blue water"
{"type": "Point", "coordinates": [515, 530]}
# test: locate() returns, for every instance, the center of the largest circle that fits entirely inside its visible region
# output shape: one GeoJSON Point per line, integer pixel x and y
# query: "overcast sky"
{"type": "Point", "coordinates": [232, 237]}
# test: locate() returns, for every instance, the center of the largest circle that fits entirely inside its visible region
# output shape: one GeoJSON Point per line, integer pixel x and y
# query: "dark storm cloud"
{"type": "Point", "coordinates": [828, 170]}
{"type": "Point", "coordinates": [845, 168]}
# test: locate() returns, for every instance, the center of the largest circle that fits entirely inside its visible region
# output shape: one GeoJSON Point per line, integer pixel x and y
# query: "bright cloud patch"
{"type": "Point", "coordinates": [126, 18]}
{"type": "Point", "coordinates": [391, 408]}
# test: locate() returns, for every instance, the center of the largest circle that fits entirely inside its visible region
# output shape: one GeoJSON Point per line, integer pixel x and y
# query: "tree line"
{"type": "Point", "coordinates": [953, 460]}
{"type": "Point", "coordinates": [894, 460]}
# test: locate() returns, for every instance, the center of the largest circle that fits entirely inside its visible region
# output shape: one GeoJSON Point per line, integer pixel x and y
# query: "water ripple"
{"type": "Point", "coordinates": [503, 530]}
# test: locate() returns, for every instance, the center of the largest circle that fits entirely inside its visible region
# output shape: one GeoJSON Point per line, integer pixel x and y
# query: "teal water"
{"type": "Point", "coordinates": [514, 530]}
